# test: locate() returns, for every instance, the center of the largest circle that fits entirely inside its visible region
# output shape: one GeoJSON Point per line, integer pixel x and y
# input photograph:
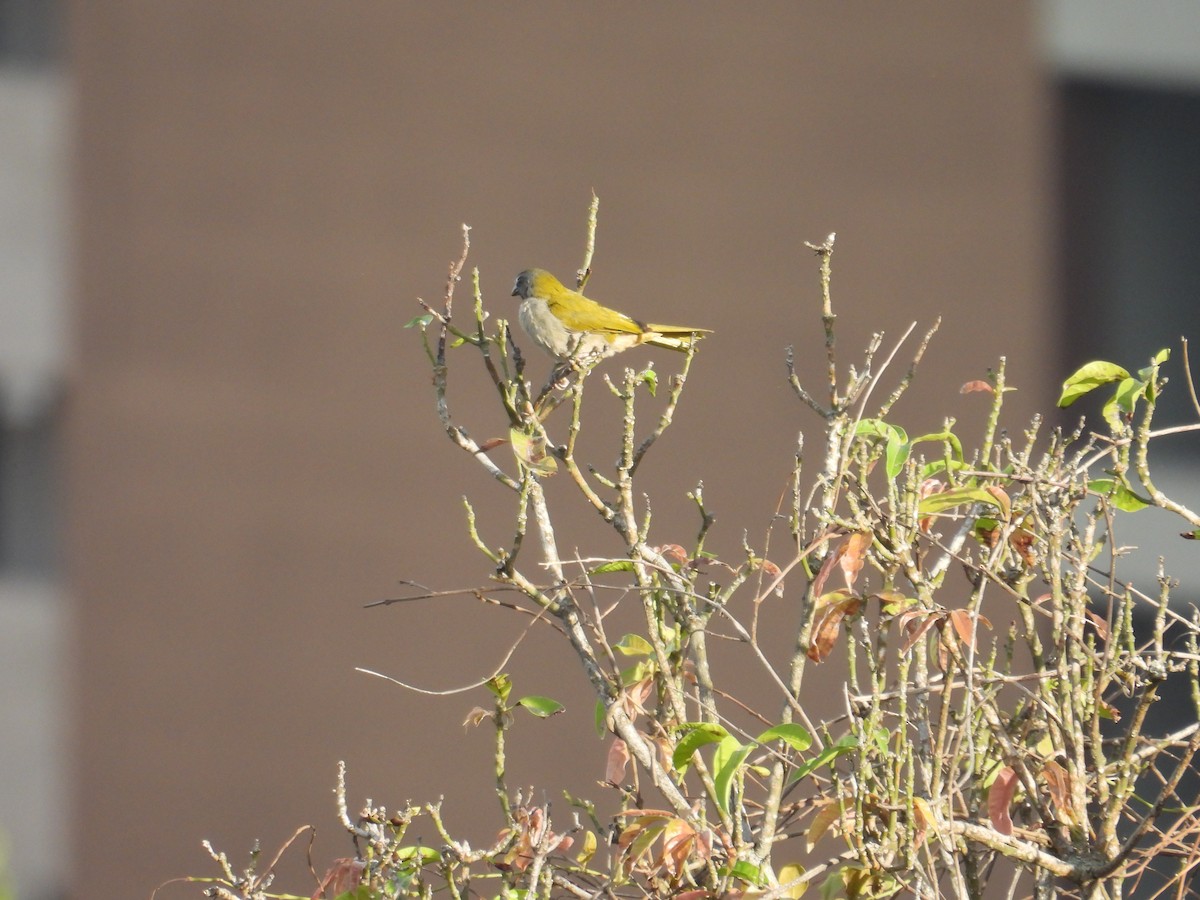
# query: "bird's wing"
{"type": "Point", "coordinates": [583, 314]}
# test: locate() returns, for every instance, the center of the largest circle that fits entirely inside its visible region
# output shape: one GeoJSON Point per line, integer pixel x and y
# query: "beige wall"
{"type": "Point", "coordinates": [263, 189]}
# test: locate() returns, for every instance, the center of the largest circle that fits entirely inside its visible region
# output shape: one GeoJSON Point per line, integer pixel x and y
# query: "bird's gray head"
{"type": "Point", "coordinates": [524, 285]}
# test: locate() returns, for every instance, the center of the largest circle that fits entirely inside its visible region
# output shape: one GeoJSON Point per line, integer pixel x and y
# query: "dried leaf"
{"type": "Point", "coordinates": [829, 813]}
{"type": "Point", "coordinates": [922, 819]}
{"type": "Point", "coordinates": [792, 872]}
{"type": "Point", "coordinates": [588, 850]}
{"type": "Point", "coordinates": [1000, 797]}
{"type": "Point", "coordinates": [475, 716]}
{"type": "Point", "coordinates": [491, 444]}
{"type": "Point", "coordinates": [973, 386]}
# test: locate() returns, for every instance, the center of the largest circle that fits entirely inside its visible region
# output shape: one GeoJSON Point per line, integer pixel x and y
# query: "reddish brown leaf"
{"type": "Point", "coordinates": [964, 625]}
{"type": "Point", "coordinates": [344, 875]}
{"type": "Point", "coordinates": [678, 839]}
{"type": "Point", "coordinates": [1001, 498]}
{"type": "Point", "coordinates": [772, 573]}
{"type": "Point", "coordinates": [639, 836]}
{"type": "Point", "coordinates": [972, 386]}
{"type": "Point", "coordinates": [827, 567]}
{"type": "Point", "coordinates": [618, 760]}
{"type": "Point", "coordinates": [533, 835]}
{"type": "Point", "coordinates": [943, 657]}
{"type": "Point", "coordinates": [922, 819]}
{"type": "Point", "coordinates": [491, 444]}
{"type": "Point", "coordinates": [829, 622]}
{"type": "Point", "coordinates": [1058, 781]}
{"type": "Point", "coordinates": [1022, 541]}
{"type": "Point", "coordinates": [770, 568]}
{"type": "Point", "coordinates": [1099, 624]}
{"type": "Point", "coordinates": [916, 622]}
{"type": "Point", "coordinates": [1109, 710]}
{"type": "Point", "coordinates": [854, 556]}
{"type": "Point", "coordinates": [928, 488]}
{"type": "Point", "coordinates": [893, 602]}
{"type": "Point", "coordinates": [635, 695]}
{"type": "Point", "coordinates": [665, 749]}
{"type": "Point", "coordinates": [1000, 797]}
{"type": "Point", "coordinates": [674, 551]}
{"type": "Point", "coordinates": [989, 537]}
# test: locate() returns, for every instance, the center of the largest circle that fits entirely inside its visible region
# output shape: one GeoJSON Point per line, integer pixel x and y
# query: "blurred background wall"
{"type": "Point", "coordinates": [219, 441]}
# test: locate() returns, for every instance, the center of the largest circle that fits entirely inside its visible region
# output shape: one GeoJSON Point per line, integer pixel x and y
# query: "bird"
{"type": "Point", "coordinates": [572, 327]}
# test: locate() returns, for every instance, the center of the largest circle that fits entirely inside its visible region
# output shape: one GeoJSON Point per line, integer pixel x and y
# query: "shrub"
{"type": "Point", "coordinates": [969, 752]}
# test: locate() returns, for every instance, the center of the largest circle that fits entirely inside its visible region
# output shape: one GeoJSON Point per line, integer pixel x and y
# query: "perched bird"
{"type": "Point", "coordinates": [569, 326]}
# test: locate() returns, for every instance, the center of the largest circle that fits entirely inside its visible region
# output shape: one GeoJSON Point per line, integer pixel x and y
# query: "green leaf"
{"type": "Point", "coordinates": [789, 873]}
{"type": "Point", "coordinates": [746, 871]}
{"type": "Point", "coordinates": [727, 761]}
{"type": "Point", "coordinates": [1120, 495]}
{"type": "Point", "coordinates": [613, 565]}
{"type": "Point", "coordinates": [831, 752]}
{"type": "Point", "coordinates": [896, 439]}
{"type": "Point", "coordinates": [896, 455]}
{"type": "Point", "coordinates": [1127, 393]}
{"type": "Point", "coordinates": [695, 736]}
{"type": "Point", "coordinates": [936, 503]}
{"type": "Point", "coordinates": [1087, 378]}
{"type": "Point", "coordinates": [542, 707]}
{"type": "Point", "coordinates": [948, 437]}
{"type": "Point", "coordinates": [531, 452]}
{"type": "Point", "coordinates": [878, 428]}
{"type": "Point", "coordinates": [633, 645]}
{"type": "Point", "coordinates": [650, 378]}
{"type": "Point", "coordinates": [421, 320]}
{"type": "Point", "coordinates": [940, 465]}
{"type": "Point", "coordinates": [601, 716]}
{"type": "Point", "coordinates": [793, 735]}
{"type": "Point", "coordinates": [500, 685]}
{"type": "Point", "coordinates": [424, 855]}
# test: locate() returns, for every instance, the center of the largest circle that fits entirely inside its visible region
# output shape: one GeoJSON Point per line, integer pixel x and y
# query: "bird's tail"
{"type": "Point", "coordinates": [673, 337]}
